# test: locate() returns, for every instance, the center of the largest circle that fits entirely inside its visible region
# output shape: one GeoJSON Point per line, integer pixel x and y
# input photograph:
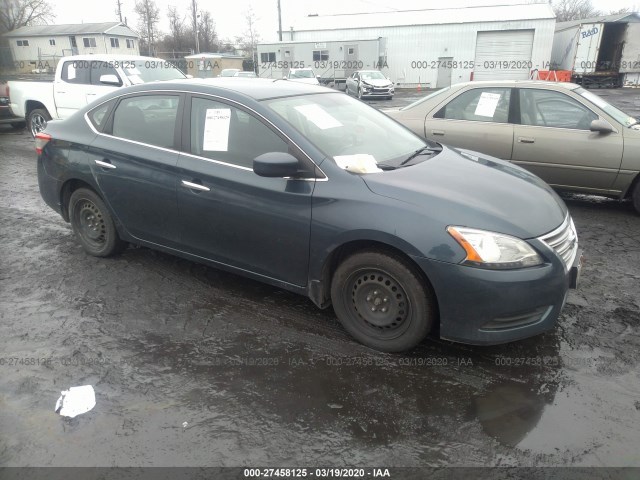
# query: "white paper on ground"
{"type": "Point", "coordinates": [76, 401]}
{"type": "Point", "coordinates": [358, 163]}
{"type": "Point", "coordinates": [487, 104]}
{"type": "Point", "coordinates": [317, 115]}
{"type": "Point", "coordinates": [216, 130]}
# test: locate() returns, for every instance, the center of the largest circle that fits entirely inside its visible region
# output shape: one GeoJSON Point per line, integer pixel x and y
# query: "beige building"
{"type": "Point", "coordinates": [208, 65]}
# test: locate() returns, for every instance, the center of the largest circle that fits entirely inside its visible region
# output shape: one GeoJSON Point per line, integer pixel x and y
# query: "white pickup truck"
{"type": "Point", "coordinates": [80, 80]}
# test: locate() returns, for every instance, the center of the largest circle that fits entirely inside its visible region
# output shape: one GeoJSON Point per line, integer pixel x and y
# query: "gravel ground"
{"type": "Point", "coordinates": [193, 366]}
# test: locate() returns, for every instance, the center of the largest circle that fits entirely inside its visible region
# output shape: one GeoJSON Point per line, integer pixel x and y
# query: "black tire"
{"type": "Point", "coordinates": [37, 120]}
{"type": "Point", "coordinates": [92, 224]}
{"type": "Point", "coordinates": [382, 302]}
{"type": "Point", "coordinates": [18, 125]}
{"type": "Point", "coordinates": [635, 196]}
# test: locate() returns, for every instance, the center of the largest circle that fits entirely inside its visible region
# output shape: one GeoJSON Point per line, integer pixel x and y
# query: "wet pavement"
{"type": "Point", "coordinates": [193, 366]}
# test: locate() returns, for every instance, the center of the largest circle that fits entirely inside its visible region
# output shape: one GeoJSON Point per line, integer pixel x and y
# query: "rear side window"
{"type": "Point", "coordinates": [546, 108]}
{"type": "Point", "coordinates": [98, 116]}
{"type": "Point", "coordinates": [228, 134]}
{"type": "Point", "coordinates": [149, 119]}
{"type": "Point", "coordinates": [479, 105]}
{"type": "Point", "coordinates": [76, 72]}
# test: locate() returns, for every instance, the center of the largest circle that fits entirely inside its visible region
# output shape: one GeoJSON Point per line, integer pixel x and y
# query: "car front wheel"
{"type": "Point", "coordinates": [92, 224]}
{"type": "Point", "coordinates": [635, 196]}
{"type": "Point", "coordinates": [382, 302]}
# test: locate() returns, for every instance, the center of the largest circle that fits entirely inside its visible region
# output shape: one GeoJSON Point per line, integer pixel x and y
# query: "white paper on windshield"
{"type": "Point", "coordinates": [135, 79]}
{"type": "Point", "coordinates": [318, 116]}
{"type": "Point", "coordinates": [133, 71]}
{"type": "Point", "coordinates": [71, 72]}
{"type": "Point", "coordinates": [358, 163]}
{"type": "Point", "coordinates": [487, 104]}
{"type": "Point", "coordinates": [216, 130]}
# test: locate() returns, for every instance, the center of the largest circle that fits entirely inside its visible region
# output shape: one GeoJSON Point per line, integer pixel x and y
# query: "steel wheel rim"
{"type": "Point", "coordinates": [91, 224]}
{"type": "Point", "coordinates": [38, 123]}
{"type": "Point", "coordinates": [379, 303]}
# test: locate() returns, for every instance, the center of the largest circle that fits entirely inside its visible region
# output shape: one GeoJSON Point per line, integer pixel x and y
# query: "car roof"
{"type": "Point", "coordinates": [517, 83]}
{"type": "Point", "coordinates": [256, 88]}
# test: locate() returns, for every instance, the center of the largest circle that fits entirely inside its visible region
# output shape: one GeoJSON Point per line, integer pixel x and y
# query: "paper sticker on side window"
{"type": "Point", "coordinates": [487, 104]}
{"type": "Point", "coordinates": [318, 116]}
{"type": "Point", "coordinates": [216, 130]}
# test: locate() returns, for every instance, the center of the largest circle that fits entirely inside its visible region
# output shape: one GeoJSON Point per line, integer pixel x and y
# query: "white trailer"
{"type": "Point", "coordinates": [332, 61]}
{"type": "Point", "coordinates": [600, 52]}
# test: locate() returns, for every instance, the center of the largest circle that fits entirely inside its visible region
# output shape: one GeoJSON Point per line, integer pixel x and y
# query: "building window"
{"type": "Point", "coordinates": [320, 55]}
{"type": "Point", "coordinates": [287, 53]}
{"type": "Point", "coordinates": [268, 57]}
{"type": "Point", "coordinates": [23, 43]}
{"type": "Point", "coordinates": [73, 42]}
{"type": "Point", "coordinates": [130, 43]}
{"type": "Point", "coordinates": [89, 42]}
{"type": "Point", "coordinates": [115, 43]}
{"type": "Point", "coordinates": [350, 51]}
{"type": "Point", "coordinates": [52, 42]}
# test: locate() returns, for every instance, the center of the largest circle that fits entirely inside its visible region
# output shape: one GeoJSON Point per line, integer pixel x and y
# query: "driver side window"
{"type": "Point", "coordinates": [545, 108]}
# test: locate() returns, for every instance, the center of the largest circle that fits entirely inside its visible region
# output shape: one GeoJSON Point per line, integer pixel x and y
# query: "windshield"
{"type": "Point", "coordinates": [424, 99]}
{"type": "Point", "coordinates": [302, 74]}
{"type": "Point", "coordinates": [153, 70]}
{"type": "Point", "coordinates": [619, 115]}
{"type": "Point", "coordinates": [372, 76]}
{"type": "Point", "coordinates": [340, 125]}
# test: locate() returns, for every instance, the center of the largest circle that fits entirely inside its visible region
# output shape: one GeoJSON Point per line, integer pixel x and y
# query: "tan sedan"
{"type": "Point", "coordinates": [568, 136]}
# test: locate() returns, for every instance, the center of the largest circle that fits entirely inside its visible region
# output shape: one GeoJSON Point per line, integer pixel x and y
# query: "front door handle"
{"type": "Point", "coordinates": [437, 132]}
{"type": "Point", "coordinates": [195, 186]}
{"type": "Point", "coordinates": [526, 140]}
{"type": "Point", "coordinates": [105, 164]}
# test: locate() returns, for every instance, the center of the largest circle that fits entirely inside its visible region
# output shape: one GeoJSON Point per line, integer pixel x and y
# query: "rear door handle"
{"type": "Point", "coordinates": [526, 140]}
{"type": "Point", "coordinates": [106, 164]}
{"type": "Point", "coordinates": [437, 132]}
{"type": "Point", "coordinates": [195, 186]}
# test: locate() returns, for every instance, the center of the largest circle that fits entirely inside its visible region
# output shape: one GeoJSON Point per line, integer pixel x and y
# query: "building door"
{"type": "Point", "coordinates": [350, 60]}
{"type": "Point", "coordinates": [444, 72]}
{"type": "Point", "coordinates": [503, 55]}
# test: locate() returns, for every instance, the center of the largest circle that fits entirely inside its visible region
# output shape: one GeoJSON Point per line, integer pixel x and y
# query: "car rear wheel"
{"type": "Point", "coordinates": [92, 224]}
{"type": "Point", "coordinates": [635, 196]}
{"type": "Point", "coordinates": [37, 120]}
{"type": "Point", "coordinates": [382, 302]}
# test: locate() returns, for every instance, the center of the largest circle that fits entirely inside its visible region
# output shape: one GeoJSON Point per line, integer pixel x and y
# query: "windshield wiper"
{"type": "Point", "coordinates": [420, 151]}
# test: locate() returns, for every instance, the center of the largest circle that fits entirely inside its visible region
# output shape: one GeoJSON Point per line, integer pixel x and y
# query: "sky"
{"type": "Point", "coordinates": [229, 15]}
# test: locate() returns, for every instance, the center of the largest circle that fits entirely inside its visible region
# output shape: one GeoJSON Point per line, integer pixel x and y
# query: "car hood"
{"type": "Point", "coordinates": [378, 82]}
{"type": "Point", "coordinates": [461, 187]}
{"type": "Point", "coordinates": [311, 81]}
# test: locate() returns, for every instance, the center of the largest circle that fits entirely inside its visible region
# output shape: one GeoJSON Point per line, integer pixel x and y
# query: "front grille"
{"type": "Point", "coordinates": [564, 241]}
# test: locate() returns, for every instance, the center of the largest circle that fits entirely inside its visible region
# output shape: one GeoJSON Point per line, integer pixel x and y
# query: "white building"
{"type": "Point", "coordinates": [438, 47]}
{"type": "Point", "coordinates": [40, 46]}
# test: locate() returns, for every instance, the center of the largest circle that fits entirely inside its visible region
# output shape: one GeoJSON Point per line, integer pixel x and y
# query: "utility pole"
{"type": "Point", "coordinates": [194, 9]}
{"type": "Point", "coordinates": [119, 10]}
{"type": "Point", "coordinates": [279, 22]}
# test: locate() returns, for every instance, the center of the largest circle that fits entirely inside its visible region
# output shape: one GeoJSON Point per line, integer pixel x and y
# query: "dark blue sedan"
{"type": "Point", "coordinates": [315, 192]}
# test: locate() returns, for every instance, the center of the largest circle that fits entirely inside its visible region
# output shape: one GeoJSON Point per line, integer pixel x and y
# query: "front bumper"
{"type": "Point", "coordinates": [485, 307]}
{"type": "Point", "coordinates": [378, 92]}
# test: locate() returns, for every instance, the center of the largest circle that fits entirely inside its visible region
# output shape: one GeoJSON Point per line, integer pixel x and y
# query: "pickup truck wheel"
{"type": "Point", "coordinates": [37, 120]}
{"type": "Point", "coordinates": [635, 197]}
{"type": "Point", "coordinates": [92, 224]}
{"type": "Point", "coordinates": [382, 302]}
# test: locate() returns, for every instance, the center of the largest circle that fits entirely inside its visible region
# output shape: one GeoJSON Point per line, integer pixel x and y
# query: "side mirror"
{"type": "Point", "coordinates": [110, 79]}
{"type": "Point", "coordinates": [276, 164]}
{"type": "Point", "coordinates": [600, 126]}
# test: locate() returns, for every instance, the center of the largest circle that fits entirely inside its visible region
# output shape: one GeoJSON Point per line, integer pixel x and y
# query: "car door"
{"type": "Point", "coordinates": [553, 141]}
{"type": "Point", "coordinates": [352, 83]}
{"type": "Point", "coordinates": [97, 88]}
{"type": "Point", "coordinates": [228, 213]}
{"type": "Point", "coordinates": [477, 119]}
{"type": "Point", "coordinates": [71, 88]}
{"type": "Point", "coordinates": [134, 161]}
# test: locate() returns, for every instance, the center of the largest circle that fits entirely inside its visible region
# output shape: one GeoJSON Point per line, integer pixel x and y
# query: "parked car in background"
{"type": "Point", "coordinates": [6, 115]}
{"type": "Point", "coordinates": [370, 83]}
{"type": "Point", "coordinates": [81, 79]}
{"type": "Point", "coordinates": [245, 74]}
{"type": "Point", "coordinates": [303, 75]}
{"type": "Point", "coordinates": [312, 191]}
{"type": "Point", "coordinates": [566, 135]}
{"type": "Point", "coordinates": [229, 72]}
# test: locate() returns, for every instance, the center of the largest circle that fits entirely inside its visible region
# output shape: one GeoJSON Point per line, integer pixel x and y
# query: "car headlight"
{"type": "Point", "coordinates": [494, 250]}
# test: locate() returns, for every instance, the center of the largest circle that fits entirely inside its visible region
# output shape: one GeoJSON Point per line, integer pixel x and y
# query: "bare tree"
{"type": "Point", "coordinates": [622, 10]}
{"type": "Point", "coordinates": [567, 10]}
{"type": "Point", "coordinates": [18, 13]}
{"type": "Point", "coordinates": [250, 38]}
{"type": "Point", "coordinates": [176, 38]}
{"type": "Point", "coordinates": [207, 32]}
{"type": "Point", "coordinates": [148, 19]}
